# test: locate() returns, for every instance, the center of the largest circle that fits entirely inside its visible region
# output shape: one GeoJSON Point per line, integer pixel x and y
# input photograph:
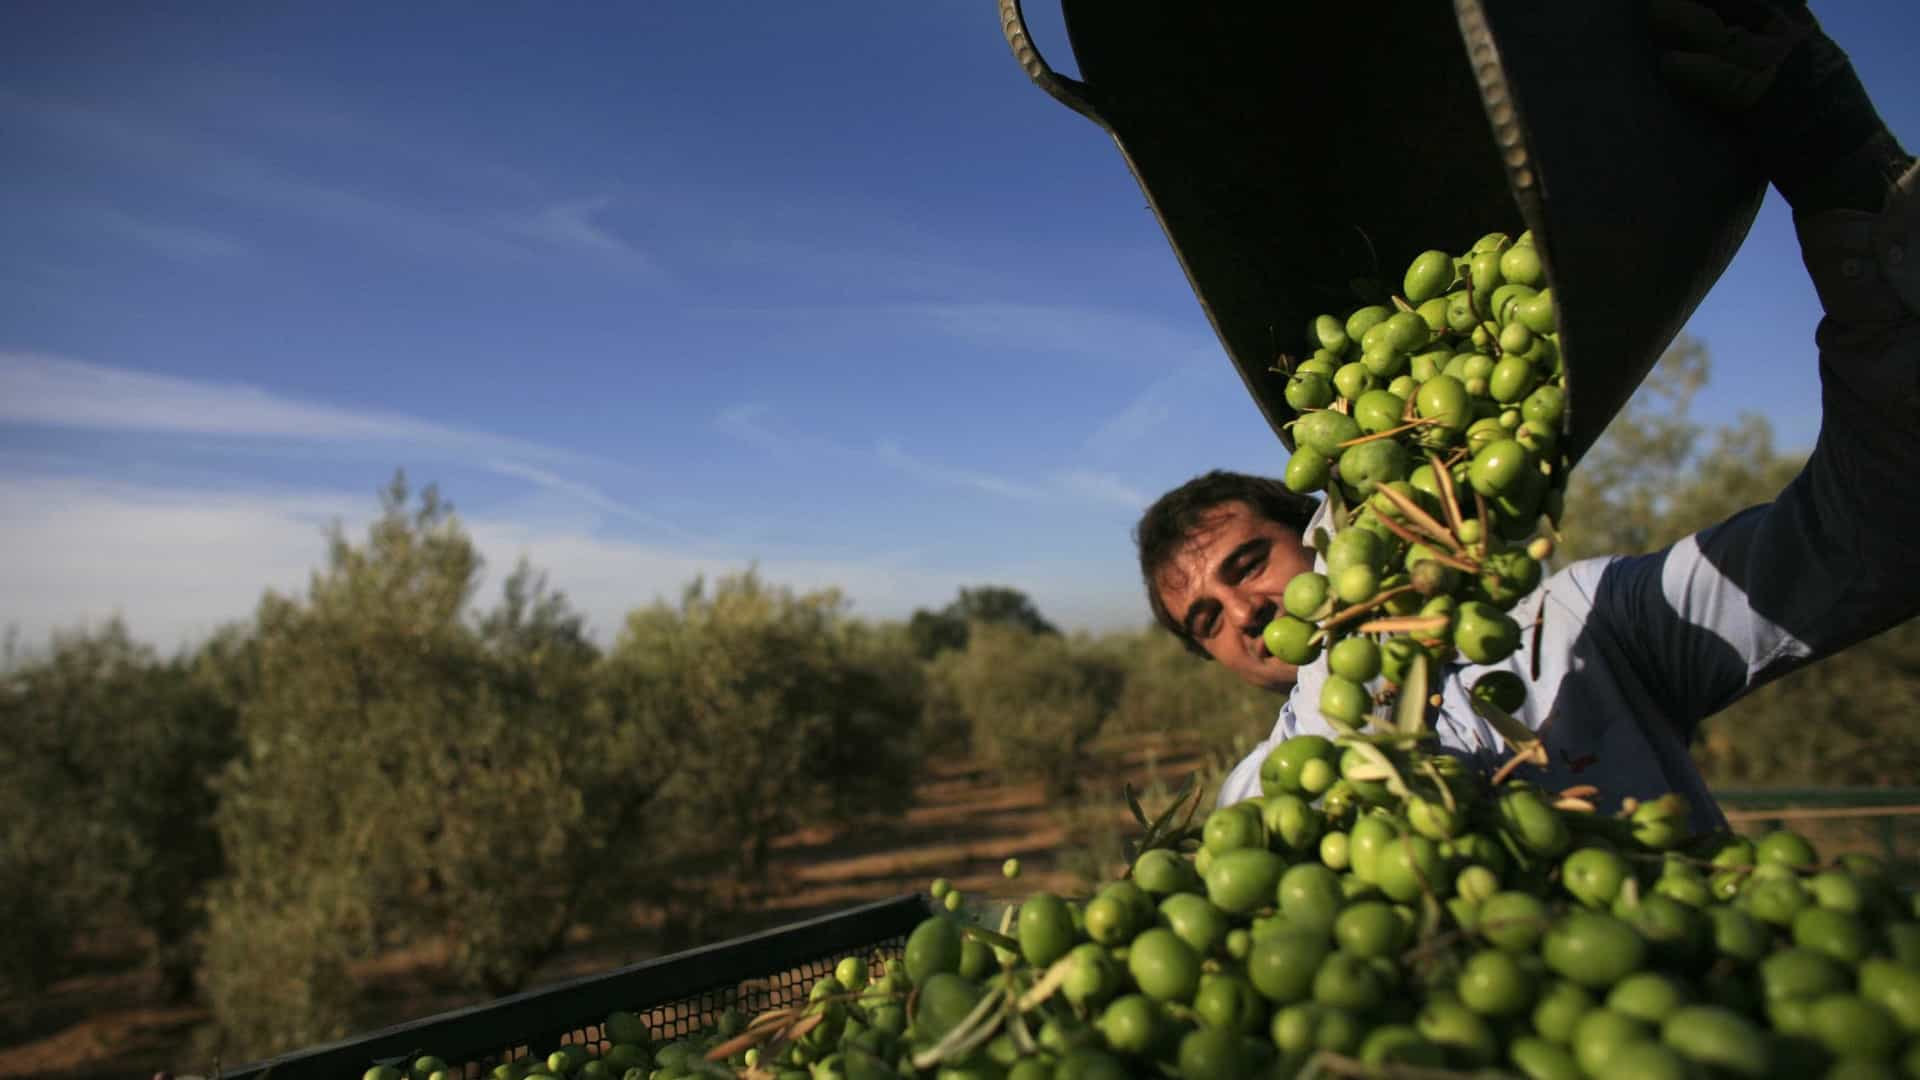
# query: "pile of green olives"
{"type": "Point", "coordinates": [1433, 425]}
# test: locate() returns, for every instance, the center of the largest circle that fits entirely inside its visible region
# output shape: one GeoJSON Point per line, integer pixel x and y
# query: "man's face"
{"type": "Point", "coordinates": [1225, 586]}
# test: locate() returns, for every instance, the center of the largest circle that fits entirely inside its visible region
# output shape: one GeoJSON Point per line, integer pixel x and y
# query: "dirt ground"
{"type": "Point", "coordinates": [103, 1021]}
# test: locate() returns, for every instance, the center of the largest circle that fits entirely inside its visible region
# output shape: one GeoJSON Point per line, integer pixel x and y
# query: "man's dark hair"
{"type": "Point", "coordinates": [1167, 525]}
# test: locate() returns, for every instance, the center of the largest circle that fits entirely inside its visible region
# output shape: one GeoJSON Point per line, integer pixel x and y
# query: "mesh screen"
{"type": "Point", "coordinates": [685, 1015]}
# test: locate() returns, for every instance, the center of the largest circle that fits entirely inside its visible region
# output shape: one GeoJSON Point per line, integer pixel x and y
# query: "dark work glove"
{"type": "Point", "coordinates": [1790, 93]}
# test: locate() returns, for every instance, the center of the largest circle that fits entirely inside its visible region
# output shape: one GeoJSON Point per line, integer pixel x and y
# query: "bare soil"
{"type": "Point", "coordinates": [106, 1020]}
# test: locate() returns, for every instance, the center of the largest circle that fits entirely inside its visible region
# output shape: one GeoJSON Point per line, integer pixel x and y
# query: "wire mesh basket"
{"type": "Point", "coordinates": [675, 995]}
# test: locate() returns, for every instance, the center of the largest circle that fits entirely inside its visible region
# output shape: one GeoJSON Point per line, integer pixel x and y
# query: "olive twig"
{"type": "Point", "coordinates": [1420, 518]}
{"type": "Point", "coordinates": [1449, 502]}
{"type": "Point", "coordinates": [1347, 615]}
{"type": "Point", "coordinates": [988, 937]}
{"type": "Point", "coordinates": [1389, 433]}
{"type": "Point", "coordinates": [1441, 557]}
{"type": "Point", "coordinates": [1405, 624]}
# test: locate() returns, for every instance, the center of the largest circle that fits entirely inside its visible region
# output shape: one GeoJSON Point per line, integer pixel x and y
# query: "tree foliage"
{"type": "Point", "coordinates": [408, 771]}
{"type": "Point", "coordinates": [1025, 703]}
{"type": "Point", "coordinates": [772, 710]}
{"type": "Point", "coordinates": [934, 632]}
{"type": "Point", "coordinates": [105, 755]}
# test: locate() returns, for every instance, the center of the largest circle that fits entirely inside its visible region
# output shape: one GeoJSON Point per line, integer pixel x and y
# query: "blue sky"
{"type": "Point", "coordinates": [649, 290]}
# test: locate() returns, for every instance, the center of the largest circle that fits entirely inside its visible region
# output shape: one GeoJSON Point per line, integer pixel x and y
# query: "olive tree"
{"type": "Point", "coordinates": [412, 769]}
{"type": "Point", "coordinates": [106, 757]}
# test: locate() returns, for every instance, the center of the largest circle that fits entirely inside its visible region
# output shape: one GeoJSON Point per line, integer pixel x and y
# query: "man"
{"type": "Point", "coordinates": [1633, 652]}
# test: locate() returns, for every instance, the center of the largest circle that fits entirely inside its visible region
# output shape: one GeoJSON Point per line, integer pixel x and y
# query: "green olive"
{"type": "Point", "coordinates": [1309, 390]}
{"type": "Point", "coordinates": [1305, 594]}
{"type": "Point", "coordinates": [1343, 701]}
{"type": "Point", "coordinates": [1480, 434]}
{"type": "Point", "coordinates": [1545, 406]}
{"type": "Point", "coordinates": [1501, 304]}
{"type": "Point", "coordinates": [1484, 634]}
{"type": "Point", "coordinates": [1521, 264]}
{"type": "Point", "coordinates": [1354, 547]}
{"type": "Point", "coordinates": [1356, 584]}
{"type": "Point", "coordinates": [1397, 656]}
{"type": "Point", "coordinates": [1384, 361]}
{"type": "Point", "coordinates": [1537, 312]}
{"type": "Point", "coordinates": [1308, 470]}
{"type": "Point", "coordinates": [1352, 380]}
{"type": "Point", "coordinates": [1497, 467]}
{"type": "Point", "coordinates": [1407, 331]}
{"type": "Point", "coordinates": [1290, 639]}
{"type": "Point", "coordinates": [1425, 365]}
{"type": "Point", "coordinates": [1515, 338]}
{"type": "Point", "coordinates": [1331, 334]}
{"type": "Point", "coordinates": [1443, 398]}
{"type": "Point", "coordinates": [1510, 379]}
{"type": "Point", "coordinates": [1428, 276]}
{"type": "Point", "coordinates": [1325, 431]}
{"type": "Point", "coordinates": [1538, 438]}
{"type": "Point", "coordinates": [1365, 319]}
{"type": "Point", "coordinates": [1485, 271]}
{"type": "Point", "coordinates": [1378, 410]}
{"type": "Point", "coordinates": [1356, 658]}
{"type": "Point", "coordinates": [1460, 313]}
{"type": "Point", "coordinates": [1371, 463]}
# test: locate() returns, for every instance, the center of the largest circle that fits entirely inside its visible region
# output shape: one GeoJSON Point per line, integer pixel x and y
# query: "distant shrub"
{"type": "Point", "coordinates": [106, 758]}
{"type": "Point", "coordinates": [1028, 703]}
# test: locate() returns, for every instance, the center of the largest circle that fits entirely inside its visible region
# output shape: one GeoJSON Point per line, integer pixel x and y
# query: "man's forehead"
{"type": "Point", "coordinates": [1188, 561]}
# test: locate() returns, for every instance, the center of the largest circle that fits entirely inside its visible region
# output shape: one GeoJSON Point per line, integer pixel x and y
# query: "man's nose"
{"type": "Point", "coordinates": [1250, 614]}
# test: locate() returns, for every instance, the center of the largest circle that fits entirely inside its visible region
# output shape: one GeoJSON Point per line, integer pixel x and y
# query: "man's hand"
{"type": "Point", "coordinates": [1790, 93]}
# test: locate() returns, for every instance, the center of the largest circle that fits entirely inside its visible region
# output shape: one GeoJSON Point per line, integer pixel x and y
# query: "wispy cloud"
{"type": "Point", "coordinates": [891, 455]}
{"type": "Point", "coordinates": [1102, 487]}
{"type": "Point", "coordinates": [1111, 335]}
{"type": "Point", "coordinates": [575, 226]}
{"type": "Point", "coordinates": [178, 562]}
{"type": "Point", "coordinates": [182, 243]}
{"type": "Point", "coordinates": [52, 391]}
{"type": "Point", "coordinates": [1143, 416]}
{"type": "Point", "coordinates": [747, 421]}
{"type": "Point", "coordinates": [586, 493]}
{"type": "Point", "coordinates": [412, 226]}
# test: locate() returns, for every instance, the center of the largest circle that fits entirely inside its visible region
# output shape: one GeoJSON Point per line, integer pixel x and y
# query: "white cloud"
{"type": "Point", "coordinates": [181, 243]}
{"type": "Point", "coordinates": [1102, 487]}
{"type": "Point", "coordinates": [571, 225]}
{"type": "Point", "coordinates": [747, 422]}
{"type": "Point", "coordinates": [1108, 335]}
{"type": "Point", "coordinates": [1143, 415]}
{"type": "Point", "coordinates": [586, 493]}
{"type": "Point", "coordinates": [418, 227]}
{"type": "Point", "coordinates": [178, 562]}
{"type": "Point", "coordinates": [56, 392]}
{"type": "Point", "coordinates": [891, 455]}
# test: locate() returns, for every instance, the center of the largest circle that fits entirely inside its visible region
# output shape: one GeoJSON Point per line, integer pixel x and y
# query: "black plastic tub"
{"type": "Point", "coordinates": [676, 995]}
{"type": "Point", "coordinates": [1289, 149]}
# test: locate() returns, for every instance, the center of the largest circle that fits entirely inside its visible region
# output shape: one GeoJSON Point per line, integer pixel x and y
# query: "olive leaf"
{"type": "Point", "coordinates": [1521, 739]}
{"type": "Point", "coordinates": [973, 1029]}
{"type": "Point", "coordinates": [1377, 766]}
{"type": "Point", "coordinates": [1410, 711]}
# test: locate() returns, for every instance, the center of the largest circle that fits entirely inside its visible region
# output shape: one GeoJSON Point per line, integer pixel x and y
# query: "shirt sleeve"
{"type": "Point", "coordinates": [1835, 558]}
